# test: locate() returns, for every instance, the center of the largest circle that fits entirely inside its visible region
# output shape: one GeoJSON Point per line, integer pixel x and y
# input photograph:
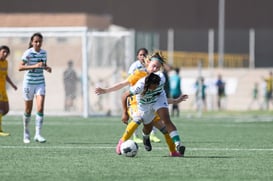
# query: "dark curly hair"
{"type": "Point", "coordinates": [151, 79]}
{"type": "Point", "coordinates": [5, 47]}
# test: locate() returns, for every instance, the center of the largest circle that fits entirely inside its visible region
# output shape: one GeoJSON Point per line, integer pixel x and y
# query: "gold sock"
{"type": "Point", "coordinates": [170, 143]}
{"type": "Point", "coordinates": [130, 129]}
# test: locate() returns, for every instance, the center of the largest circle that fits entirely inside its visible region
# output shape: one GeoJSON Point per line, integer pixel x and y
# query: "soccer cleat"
{"type": "Point", "coordinates": [118, 151]}
{"type": "Point", "coordinates": [154, 139]}
{"type": "Point", "coordinates": [147, 143]}
{"type": "Point", "coordinates": [4, 134]}
{"type": "Point", "coordinates": [175, 154]}
{"type": "Point", "coordinates": [26, 140]}
{"type": "Point", "coordinates": [137, 139]}
{"type": "Point", "coordinates": [181, 149]}
{"type": "Point", "coordinates": [40, 139]}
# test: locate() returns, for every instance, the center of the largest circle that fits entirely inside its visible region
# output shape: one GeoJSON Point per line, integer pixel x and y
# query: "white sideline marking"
{"type": "Point", "coordinates": [109, 147]}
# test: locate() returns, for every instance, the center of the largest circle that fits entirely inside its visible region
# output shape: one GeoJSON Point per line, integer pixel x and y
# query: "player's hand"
{"type": "Point", "coordinates": [48, 69]}
{"type": "Point", "coordinates": [125, 118]}
{"type": "Point", "coordinates": [14, 87]}
{"type": "Point", "coordinates": [183, 97]}
{"type": "Point", "coordinates": [39, 65]}
{"type": "Point", "coordinates": [99, 91]}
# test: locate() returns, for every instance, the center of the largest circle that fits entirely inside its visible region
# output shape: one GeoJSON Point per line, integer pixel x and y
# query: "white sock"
{"type": "Point", "coordinates": [175, 137]}
{"type": "Point", "coordinates": [26, 120]}
{"type": "Point", "coordinates": [38, 124]}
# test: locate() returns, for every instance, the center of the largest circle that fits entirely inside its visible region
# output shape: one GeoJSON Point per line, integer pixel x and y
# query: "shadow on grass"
{"type": "Point", "coordinates": [200, 156]}
{"type": "Point", "coordinates": [185, 157]}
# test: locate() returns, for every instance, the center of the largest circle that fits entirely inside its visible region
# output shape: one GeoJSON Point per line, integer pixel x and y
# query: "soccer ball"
{"type": "Point", "coordinates": [129, 148]}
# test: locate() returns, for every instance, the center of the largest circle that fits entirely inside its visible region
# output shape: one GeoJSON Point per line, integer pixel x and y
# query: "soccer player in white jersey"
{"type": "Point", "coordinates": [153, 64]}
{"type": "Point", "coordinates": [151, 98]}
{"type": "Point", "coordinates": [34, 62]}
{"type": "Point", "coordinates": [139, 64]}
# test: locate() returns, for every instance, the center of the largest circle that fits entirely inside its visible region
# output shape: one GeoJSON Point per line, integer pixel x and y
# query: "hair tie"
{"type": "Point", "coordinates": [157, 59]}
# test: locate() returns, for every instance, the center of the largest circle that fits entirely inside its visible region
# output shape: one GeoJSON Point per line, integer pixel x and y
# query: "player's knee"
{"type": "Point", "coordinates": [137, 121]}
{"type": "Point", "coordinates": [163, 130]}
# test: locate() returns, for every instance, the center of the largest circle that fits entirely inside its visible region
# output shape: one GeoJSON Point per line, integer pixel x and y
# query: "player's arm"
{"type": "Point", "coordinates": [181, 98]}
{"type": "Point", "coordinates": [113, 88]}
{"type": "Point", "coordinates": [23, 66]}
{"type": "Point", "coordinates": [125, 115]}
{"type": "Point", "coordinates": [11, 83]}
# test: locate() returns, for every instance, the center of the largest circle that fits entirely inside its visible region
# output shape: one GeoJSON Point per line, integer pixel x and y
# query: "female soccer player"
{"type": "Point", "coordinates": [34, 62]}
{"type": "Point", "coordinates": [147, 93]}
{"type": "Point", "coordinates": [151, 98]}
{"type": "Point", "coordinates": [139, 64]}
{"type": "Point", "coordinates": [153, 65]}
{"type": "Point", "coordinates": [4, 77]}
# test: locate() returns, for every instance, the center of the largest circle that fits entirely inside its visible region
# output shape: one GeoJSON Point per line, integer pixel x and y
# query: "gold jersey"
{"type": "Point", "coordinates": [3, 76]}
{"type": "Point", "coordinates": [132, 79]}
{"type": "Point", "coordinates": [132, 103]}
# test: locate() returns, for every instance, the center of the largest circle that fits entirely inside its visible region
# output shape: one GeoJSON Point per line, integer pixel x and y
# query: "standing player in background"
{"type": "Point", "coordinates": [255, 96]}
{"type": "Point", "coordinates": [220, 91]}
{"type": "Point", "coordinates": [70, 81]}
{"type": "Point", "coordinates": [201, 95]}
{"type": "Point", "coordinates": [175, 90]}
{"type": "Point", "coordinates": [4, 77]}
{"type": "Point", "coordinates": [269, 89]}
{"type": "Point", "coordinates": [139, 64]}
{"type": "Point", "coordinates": [34, 62]}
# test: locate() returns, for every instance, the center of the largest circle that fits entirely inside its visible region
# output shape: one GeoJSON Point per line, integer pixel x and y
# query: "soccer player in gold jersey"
{"type": "Point", "coordinates": [4, 77]}
{"type": "Point", "coordinates": [153, 65]}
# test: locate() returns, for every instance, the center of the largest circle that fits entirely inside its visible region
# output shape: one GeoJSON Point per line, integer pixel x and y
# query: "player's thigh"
{"type": "Point", "coordinates": [40, 99]}
{"type": "Point", "coordinates": [165, 117]}
{"type": "Point", "coordinates": [158, 123]}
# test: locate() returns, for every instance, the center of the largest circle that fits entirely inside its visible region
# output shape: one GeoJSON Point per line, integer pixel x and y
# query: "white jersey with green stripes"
{"type": "Point", "coordinates": [151, 96]}
{"type": "Point", "coordinates": [34, 76]}
{"type": "Point", "coordinates": [137, 65]}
